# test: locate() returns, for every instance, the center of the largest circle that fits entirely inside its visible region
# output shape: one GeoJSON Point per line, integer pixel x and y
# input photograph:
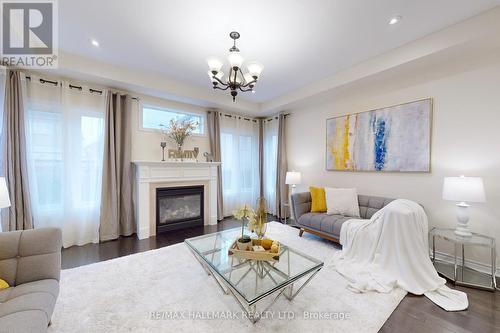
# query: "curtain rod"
{"type": "Point", "coordinates": [239, 117]}
{"type": "Point", "coordinates": [276, 117]}
{"type": "Point", "coordinates": [55, 83]}
{"type": "Point", "coordinates": [248, 119]}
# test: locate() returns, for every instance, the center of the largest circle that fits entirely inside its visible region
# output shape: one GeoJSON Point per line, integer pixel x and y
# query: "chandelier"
{"type": "Point", "coordinates": [235, 80]}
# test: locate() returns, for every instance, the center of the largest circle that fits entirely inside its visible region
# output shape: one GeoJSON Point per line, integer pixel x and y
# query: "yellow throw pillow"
{"type": "Point", "coordinates": [3, 284]}
{"type": "Point", "coordinates": [318, 199]}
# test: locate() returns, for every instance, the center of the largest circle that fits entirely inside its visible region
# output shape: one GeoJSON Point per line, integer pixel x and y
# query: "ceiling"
{"type": "Point", "coordinates": [299, 42]}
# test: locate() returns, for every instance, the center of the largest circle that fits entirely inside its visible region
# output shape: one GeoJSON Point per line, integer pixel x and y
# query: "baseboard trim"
{"type": "Point", "coordinates": [478, 266]}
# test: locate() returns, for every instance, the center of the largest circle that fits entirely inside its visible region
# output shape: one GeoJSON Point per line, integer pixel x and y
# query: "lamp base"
{"type": "Point", "coordinates": [463, 219]}
{"type": "Point", "coordinates": [463, 232]}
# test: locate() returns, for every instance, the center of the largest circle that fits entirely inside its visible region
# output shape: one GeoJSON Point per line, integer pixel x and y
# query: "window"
{"type": "Point", "coordinates": [45, 130]}
{"type": "Point", "coordinates": [156, 118]}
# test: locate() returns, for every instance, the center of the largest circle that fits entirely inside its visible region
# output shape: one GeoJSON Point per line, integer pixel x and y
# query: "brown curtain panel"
{"type": "Point", "coordinates": [281, 187]}
{"type": "Point", "coordinates": [261, 157]}
{"type": "Point", "coordinates": [213, 120]}
{"type": "Point", "coordinates": [18, 216]}
{"type": "Point", "coordinates": [117, 203]}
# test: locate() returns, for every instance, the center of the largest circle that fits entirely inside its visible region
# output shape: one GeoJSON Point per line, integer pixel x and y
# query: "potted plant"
{"type": "Point", "coordinates": [245, 213]}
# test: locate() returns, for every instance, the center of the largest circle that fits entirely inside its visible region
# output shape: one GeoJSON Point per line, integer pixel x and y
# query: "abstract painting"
{"type": "Point", "coordinates": [395, 138]}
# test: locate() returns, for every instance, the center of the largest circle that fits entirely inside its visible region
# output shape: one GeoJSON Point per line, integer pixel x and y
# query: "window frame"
{"type": "Point", "coordinates": [203, 115]}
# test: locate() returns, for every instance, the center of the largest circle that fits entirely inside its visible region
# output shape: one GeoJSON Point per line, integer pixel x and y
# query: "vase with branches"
{"type": "Point", "coordinates": [178, 130]}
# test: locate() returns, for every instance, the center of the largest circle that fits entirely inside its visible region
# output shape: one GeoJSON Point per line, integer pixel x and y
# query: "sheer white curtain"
{"type": "Point", "coordinates": [65, 139]}
{"type": "Point", "coordinates": [240, 162]}
{"type": "Point", "coordinates": [270, 163]}
{"type": "Point", "coordinates": [2, 104]}
{"type": "Point", "coordinates": [2, 101]}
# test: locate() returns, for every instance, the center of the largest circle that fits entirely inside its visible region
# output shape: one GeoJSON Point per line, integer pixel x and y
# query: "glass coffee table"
{"type": "Point", "coordinates": [253, 282]}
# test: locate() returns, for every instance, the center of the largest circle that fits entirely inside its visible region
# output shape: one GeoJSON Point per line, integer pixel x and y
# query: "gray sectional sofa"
{"type": "Point", "coordinates": [328, 226]}
{"type": "Point", "coordinates": [30, 262]}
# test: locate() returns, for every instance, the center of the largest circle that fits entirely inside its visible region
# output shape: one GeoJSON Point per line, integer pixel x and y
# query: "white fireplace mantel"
{"type": "Point", "coordinates": [151, 173]}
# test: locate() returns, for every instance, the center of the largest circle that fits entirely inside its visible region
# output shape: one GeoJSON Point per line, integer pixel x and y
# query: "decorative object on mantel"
{"type": "Point", "coordinates": [183, 154]}
{"type": "Point", "coordinates": [196, 151]}
{"type": "Point", "coordinates": [178, 131]}
{"type": "Point", "coordinates": [395, 138]}
{"type": "Point", "coordinates": [235, 80]}
{"type": "Point", "coordinates": [163, 144]}
{"type": "Point", "coordinates": [208, 156]}
{"type": "Point", "coordinates": [463, 189]}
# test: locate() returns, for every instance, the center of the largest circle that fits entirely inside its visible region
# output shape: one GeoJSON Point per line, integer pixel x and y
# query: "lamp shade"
{"type": "Point", "coordinates": [4, 194]}
{"type": "Point", "coordinates": [214, 64]}
{"type": "Point", "coordinates": [235, 59]}
{"type": "Point", "coordinates": [464, 189]}
{"type": "Point", "coordinates": [293, 178]}
{"type": "Point", "coordinates": [255, 68]}
{"type": "Point", "coordinates": [248, 78]}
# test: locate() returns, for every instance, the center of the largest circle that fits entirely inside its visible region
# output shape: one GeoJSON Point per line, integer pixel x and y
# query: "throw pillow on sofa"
{"type": "Point", "coordinates": [318, 199]}
{"type": "Point", "coordinates": [342, 201]}
{"type": "Point", "coordinates": [3, 284]}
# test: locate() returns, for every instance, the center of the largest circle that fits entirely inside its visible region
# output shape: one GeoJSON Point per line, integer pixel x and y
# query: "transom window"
{"type": "Point", "coordinates": [157, 118]}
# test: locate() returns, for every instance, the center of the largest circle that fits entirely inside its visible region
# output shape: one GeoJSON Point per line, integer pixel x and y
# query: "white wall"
{"type": "Point", "coordinates": [465, 140]}
{"type": "Point", "coordinates": [146, 143]}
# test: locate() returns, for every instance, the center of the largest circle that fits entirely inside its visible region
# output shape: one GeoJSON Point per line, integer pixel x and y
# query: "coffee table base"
{"type": "Point", "coordinates": [262, 269]}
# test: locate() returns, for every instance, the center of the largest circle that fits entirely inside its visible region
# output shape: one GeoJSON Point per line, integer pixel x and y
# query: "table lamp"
{"type": "Point", "coordinates": [293, 178]}
{"type": "Point", "coordinates": [462, 190]}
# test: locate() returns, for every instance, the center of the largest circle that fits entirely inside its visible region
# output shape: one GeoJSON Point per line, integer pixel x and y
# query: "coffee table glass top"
{"type": "Point", "coordinates": [252, 280]}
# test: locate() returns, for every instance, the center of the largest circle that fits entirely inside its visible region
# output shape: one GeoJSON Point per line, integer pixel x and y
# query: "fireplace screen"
{"type": "Point", "coordinates": [179, 207]}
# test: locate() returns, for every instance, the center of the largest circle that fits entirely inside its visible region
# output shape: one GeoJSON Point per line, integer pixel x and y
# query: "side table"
{"type": "Point", "coordinates": [286, 208]}
{"type": "Point", "coordinates": [458, 272]}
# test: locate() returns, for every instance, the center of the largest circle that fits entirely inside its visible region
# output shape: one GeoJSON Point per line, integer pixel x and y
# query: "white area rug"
{"type": "Point", "coordinates": [120, 295]}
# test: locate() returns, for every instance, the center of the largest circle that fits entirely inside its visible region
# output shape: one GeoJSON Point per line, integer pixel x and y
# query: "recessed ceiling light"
{"type": "Point", "coordinates": [395, 19]}
{"type": "Point", "coordinates": [94, 42]}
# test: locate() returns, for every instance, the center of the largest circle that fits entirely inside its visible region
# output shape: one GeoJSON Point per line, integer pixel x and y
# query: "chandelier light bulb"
{"type": "Point", "coordinates": [214, 64]}
{"type": "Point", "coordinates": [235, 59]}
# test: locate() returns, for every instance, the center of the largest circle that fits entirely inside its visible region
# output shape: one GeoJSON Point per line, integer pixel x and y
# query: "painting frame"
{"type": "Point", "coordinates": [430, 100]}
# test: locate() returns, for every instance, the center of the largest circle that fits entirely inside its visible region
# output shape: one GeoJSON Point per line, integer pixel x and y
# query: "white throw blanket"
{"type": "Point", "coordinates": [391, 250]}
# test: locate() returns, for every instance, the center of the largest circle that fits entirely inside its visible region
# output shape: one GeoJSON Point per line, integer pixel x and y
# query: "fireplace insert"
{"type": "Point", "coordinates": [179, 208]}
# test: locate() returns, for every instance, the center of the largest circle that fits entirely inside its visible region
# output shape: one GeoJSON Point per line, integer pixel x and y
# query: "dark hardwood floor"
{"type": "Point", "coordinates": [414, 313]}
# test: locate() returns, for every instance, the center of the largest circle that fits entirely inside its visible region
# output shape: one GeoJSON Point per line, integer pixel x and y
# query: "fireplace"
{"type": "Point", "coordinates": [178, 208]}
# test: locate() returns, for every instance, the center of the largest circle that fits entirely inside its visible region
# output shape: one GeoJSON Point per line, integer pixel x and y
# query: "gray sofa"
{"type": "Point", "coordinates": [30, 262]}
{"type": "Point", "coordinates": [328, 226]}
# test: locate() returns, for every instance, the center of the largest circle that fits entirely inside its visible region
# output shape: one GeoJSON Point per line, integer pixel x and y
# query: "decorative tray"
{"type": "Point", "coordinates": [266, 255]}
